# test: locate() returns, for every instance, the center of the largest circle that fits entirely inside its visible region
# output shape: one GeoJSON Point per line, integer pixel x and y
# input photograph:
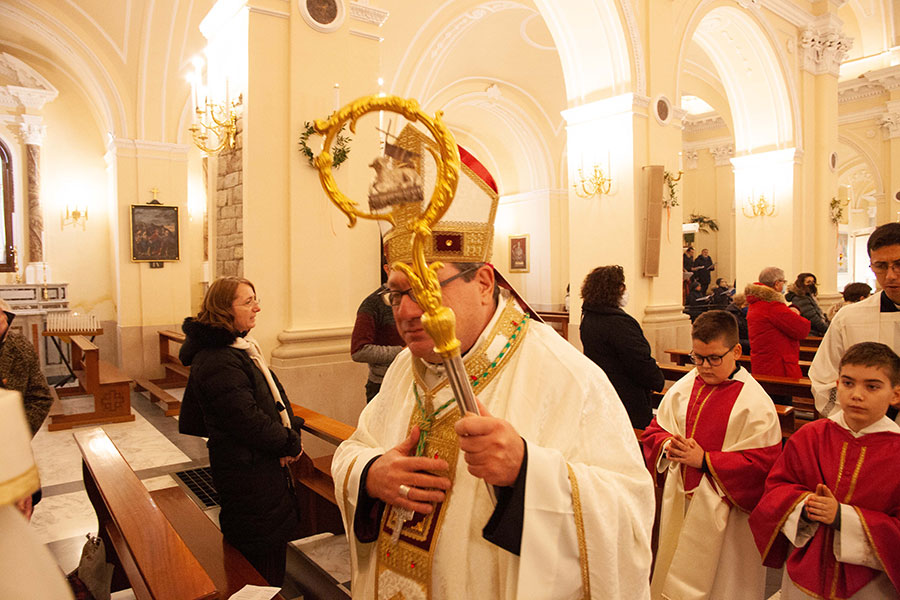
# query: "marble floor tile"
{"type": "Point", "coordinates": [59, 460]}
{"type": "Point", "coordinates": [159, 483]}
{"type": "Point", "coordinates": [329, 551]}
{"type": "Point", "coordinates": [64, 516]}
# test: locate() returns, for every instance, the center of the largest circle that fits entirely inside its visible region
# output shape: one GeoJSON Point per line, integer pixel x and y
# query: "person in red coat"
{"type": "Point", "coordinates": [775, 328]}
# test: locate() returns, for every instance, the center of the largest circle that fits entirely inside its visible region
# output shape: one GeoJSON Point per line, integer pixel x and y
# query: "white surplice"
{"type": "Point", "coordinates": [861, 321]}
{"type": "Point", "coordinates": [706, 549]}
{"type": "Point", "coordinates": [564, 407]}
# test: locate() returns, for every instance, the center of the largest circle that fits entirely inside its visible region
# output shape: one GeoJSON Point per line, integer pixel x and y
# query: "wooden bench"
{"type": "Point", "coordinates": [318, 507]}
{"type": "Point", "coordinates": [683, 357]}
{"type": "Point", "coordinates": [161, 545]}
{"type": "Point", "coordinates": [176, 374]}
{"type": "Point", "coordinates": [110, 388]}
{"type": "Point", "coordinates": [781, 385]}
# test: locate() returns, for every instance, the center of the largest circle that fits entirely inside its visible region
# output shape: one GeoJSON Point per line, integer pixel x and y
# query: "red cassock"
{"type": "Point", "coordinates": [863, 472]}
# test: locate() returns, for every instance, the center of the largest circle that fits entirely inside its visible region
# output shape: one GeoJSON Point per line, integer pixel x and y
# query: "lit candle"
{"type": "Point", "coordinates": [337, 96]}
{"type": "Point", "coordinates": [226, 92]}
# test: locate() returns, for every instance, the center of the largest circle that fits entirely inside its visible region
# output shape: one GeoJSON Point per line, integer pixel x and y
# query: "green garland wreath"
{"type": "Point", "coordinates": [340, 149]}
{"type": "Point", "coordinates": [673, 191]}
{"type": "Point", "coordinates": [837, 210]}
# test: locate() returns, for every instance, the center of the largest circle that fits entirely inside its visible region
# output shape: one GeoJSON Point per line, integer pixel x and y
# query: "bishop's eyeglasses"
{"type": "Point", "coordinates": [714, 360]}
{"type": "Point", "coordinates": [393, 298]}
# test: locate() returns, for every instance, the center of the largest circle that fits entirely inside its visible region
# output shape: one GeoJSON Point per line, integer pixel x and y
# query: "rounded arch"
{"type": "Point", "coordinates": [848, 167]}
{"type": "Point", "coordinates": [741, 45]}
{"type": "Point", "coordinates": [70, 56]}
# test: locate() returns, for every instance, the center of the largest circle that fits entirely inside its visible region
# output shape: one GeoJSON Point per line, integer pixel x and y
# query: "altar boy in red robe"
{"type": "Point", "coordinates": [716, 435]}
{"type": "Point", "coordinates": [832, 502]}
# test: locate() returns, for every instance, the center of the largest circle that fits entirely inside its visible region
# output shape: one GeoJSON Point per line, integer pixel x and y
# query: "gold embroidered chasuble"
{"type": "Point", "coordinates": [563, 406]}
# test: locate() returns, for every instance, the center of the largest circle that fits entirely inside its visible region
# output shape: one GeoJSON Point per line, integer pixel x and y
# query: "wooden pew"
{"type": "Point", "coordinates": [683, 357]}
{"type": "Point", "coordinates": [140, 541]}
{"type": "Point", "coordinates": [318, 506]}
{"type": "Point", "coordinates": [773, 385]}
{"type": "Point", "coordinates": [110, 388]}
{"type": "Point", "coordinates": [161, 544]}
{"type": "Point", "coordinates": [176, 374]}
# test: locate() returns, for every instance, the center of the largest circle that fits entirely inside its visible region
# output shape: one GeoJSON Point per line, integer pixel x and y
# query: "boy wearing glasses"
{"type": "Point", "coordinates": [835, 492]}
{"type": "Point", "coordinates": [716, 435]}
{"type": "Point", "coordinates": [875, 319]}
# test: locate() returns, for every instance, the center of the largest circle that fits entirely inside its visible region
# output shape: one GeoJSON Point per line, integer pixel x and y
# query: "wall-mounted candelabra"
{"type": "Point", "coordinates": [761, 207]}
{"type": "Point", "coordinates": [214, 124]}
{"type": "Point", "coordinates": [597, 184]}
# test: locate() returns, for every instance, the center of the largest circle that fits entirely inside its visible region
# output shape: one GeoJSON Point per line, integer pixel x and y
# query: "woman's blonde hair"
{"type": "Point", "coordinates": [216, 306]}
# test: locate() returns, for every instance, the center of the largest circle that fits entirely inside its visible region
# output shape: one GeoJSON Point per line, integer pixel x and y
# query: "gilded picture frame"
{"type": "Point", "coordinates": [154, 233]}
{"type": "Point", "coordinates": [519, 259]}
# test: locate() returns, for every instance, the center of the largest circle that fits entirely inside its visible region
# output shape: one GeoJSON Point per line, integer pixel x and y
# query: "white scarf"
{"type": "Point", "coordinates": [251, 347]}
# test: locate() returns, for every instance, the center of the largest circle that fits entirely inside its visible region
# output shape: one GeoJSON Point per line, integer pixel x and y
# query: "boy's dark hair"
{"type": "Point", "coordinates": [874, 354]}
{"type": "Point", "coordinates": [884, 235]}
{"type": "Point", "coordinates": [715, 324]}
{"type": "Point", "coordinates": [856, 291]}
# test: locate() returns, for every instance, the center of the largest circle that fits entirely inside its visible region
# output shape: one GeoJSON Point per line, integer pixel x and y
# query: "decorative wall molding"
{"type": "Point", "coordinates": [823, 47]}
{"type": "Point", "coordinates": [368, 13]}
{"type": "Point", "coordinates": [690, 159]}
{"type": "Point", "coordinates": [868, 85]}
{"type": "Point", "coordinates": [22, 74]}
{"type": "Point", "coordinates": [366, 35]}
{"type": "Point", "coordinates": [870, 114]}
{"type": "Point", "coordinates": [890, 120]}
{"type": "Point", "coordinates": [309, 343]}
{"type": "Point", "coordinates": [723, 154]}
{"type": "Point", "coordinates": [32, 129]}
{"type": "Point", "coordinates": [704, 122]}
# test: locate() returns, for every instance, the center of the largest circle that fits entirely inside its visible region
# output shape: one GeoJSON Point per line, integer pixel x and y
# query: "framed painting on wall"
{"type": "Point", "coordinates": [518, 254]}
{"type": "Point", "coordinates": [154, 233]}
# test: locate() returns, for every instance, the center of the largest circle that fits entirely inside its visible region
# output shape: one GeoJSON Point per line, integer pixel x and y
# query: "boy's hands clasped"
{"type": "Point", "coordinates": [685, 451]}
{"type": "Point", "coordinates": [822, 506]}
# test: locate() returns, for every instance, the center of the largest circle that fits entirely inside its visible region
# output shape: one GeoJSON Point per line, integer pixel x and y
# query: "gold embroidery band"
{"type": "Point", "coordinates": [20, 486]}
{"type": "Point", "coordinates": [781, 522]}
{"type": "Point", "coordinates": [865, 525]}
{"type": "Point", "coordinates": [579, 530]}
{"type": "Point", "coordinates": [859, 463]}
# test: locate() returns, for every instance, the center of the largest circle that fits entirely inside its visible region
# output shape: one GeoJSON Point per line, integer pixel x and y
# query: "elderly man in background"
{"type": "Point", "coordinates": [875, 319]}
{"type": "Point", "coordinates": [775, 329]}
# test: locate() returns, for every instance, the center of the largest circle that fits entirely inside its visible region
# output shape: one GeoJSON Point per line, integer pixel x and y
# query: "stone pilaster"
{"type": "Point", "coordinates": [33, 132]}
{"type": "Point", "coordinates": [35, 214]}
{"type": "Point", "coordinates": [230, 209]}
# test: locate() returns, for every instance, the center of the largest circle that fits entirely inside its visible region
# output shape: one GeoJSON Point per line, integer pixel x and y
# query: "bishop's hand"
{"type": "Point", "coordinates": [491, 446]}
{"type": "Point", "coordinates": [408, 481]}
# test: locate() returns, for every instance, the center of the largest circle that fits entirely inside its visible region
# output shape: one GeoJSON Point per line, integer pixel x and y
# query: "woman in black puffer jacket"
{"type": "Point", "coordinates": [234, 400]}
{"type": "Point", "coordinates": [614, 340]}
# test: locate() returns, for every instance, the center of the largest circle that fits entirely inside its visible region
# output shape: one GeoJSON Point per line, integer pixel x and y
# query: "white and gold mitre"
{"type": "Point", "coordinates": [465, 233]}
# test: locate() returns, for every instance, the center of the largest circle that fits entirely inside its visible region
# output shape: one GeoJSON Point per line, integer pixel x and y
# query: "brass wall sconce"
{"type": "Point", "coordinates": [761, 207]}
{"type": "Point", "coordinates": [597, 184]}
{"type": "Point", "coordinates": [74, 216]}
{"type": "Point", "coordinates": [211, 119]}
{"type": "Point", "coordinates": [220, 120]}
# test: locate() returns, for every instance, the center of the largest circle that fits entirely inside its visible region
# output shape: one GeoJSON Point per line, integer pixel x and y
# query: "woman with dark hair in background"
{"type": "Point", "coordinates": [233, 399]}
{"type": "Point", "coordinates": [614, 340]}
{"type": "Point", "coordinates": [802, 294]}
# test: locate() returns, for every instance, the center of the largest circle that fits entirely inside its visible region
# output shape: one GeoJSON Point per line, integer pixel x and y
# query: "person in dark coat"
{"type": "Point", "coordinates": [802, 294]}
{"type": "Point", "coordinates": [738, 309]}
{"type": "Point", "coordinates": [703, 267]}
{"type": "Point", "coordinates": [614, 340]}
{"type": "Point", "coordinates": [233, 399]}
{"type": "Point", "coordinates": [775, 329]}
